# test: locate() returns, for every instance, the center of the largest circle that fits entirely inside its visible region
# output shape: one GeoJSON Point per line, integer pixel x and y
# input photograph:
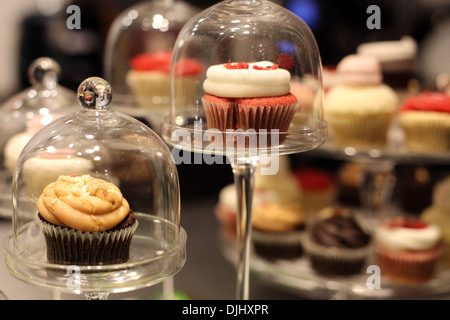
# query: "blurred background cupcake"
{"type": "Point", "coordinates": [438, 213]}
{"type": "Point", "coordinates": [425, 120]}
{"type": "Point", "coordinates": [398, 59]}
{"type": "Point", "coordinates": [361, 110]}
{"type": "Point", "coordinates": [318, 189]}
{"type": "Point", "coordinates": [407, 249]}
{"type": "Point", "coordinates": [336, 244]}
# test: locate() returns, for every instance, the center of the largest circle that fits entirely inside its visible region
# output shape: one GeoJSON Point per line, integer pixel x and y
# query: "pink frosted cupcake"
{"type": "Point", "coordinates": [249, 96]}
{"type": "Point", "coordinates": [407, 249]}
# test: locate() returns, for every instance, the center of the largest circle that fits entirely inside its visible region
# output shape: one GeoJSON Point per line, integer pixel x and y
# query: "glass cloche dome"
{"type": "Point", "coordinates": [138, 54]}
{"type": "Point", "coordinates": [97, 190]}
{"type": "Point", "coordinates": [260, 92]}
{"type": "Point", "coordinates": [22, 115]}
{"type": "Point", "coordinates": [248, 49]}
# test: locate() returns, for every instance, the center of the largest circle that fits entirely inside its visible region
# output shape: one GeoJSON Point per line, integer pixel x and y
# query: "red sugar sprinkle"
{"type": "Point", "coordinates": [240, 65]}
{"type": "Point", "coordinates": [272, 67]}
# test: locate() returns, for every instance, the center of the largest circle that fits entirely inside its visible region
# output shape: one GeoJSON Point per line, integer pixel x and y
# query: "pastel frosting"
{"type": "Point", "coordinates": [401, 235]}
{"type": "Point", "coordinates": [247, 80]}
{"type": "Point", "coordinates": [359, 70]}
{"type": "Point", "coordinates": [361, 100]}
{"type": "Point", "coordinates": [405, 48]}
{"type": "Point", "coordinates": [83, 203]}
{"type": "Point", "coordinates": [428, 101]}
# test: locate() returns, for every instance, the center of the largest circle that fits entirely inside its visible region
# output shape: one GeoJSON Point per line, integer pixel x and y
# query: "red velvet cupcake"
{"type": "Point", "coordinates": [407, 249]}
{"type": "Point", "coordinates": [249, 97]}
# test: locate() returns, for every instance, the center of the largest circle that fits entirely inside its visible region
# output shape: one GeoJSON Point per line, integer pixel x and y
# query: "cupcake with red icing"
{"type": "Point", "coordinates": [407, 249]}
{"type": "Point", "coordinates": [149, 79]}
{"type": "Point", "coordinates": [318, 188]}
{"type": "Point", "coordinates": [425, 120]}
{"type": "Point", "coordinates": [249, 96]}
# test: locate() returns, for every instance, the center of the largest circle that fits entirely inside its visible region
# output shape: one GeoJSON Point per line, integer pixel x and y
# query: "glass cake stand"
{"type": "Point", "coordinates": [298, 276]}
{"type": "Point", "coordinates": [215, 36]}
{"type": "Point", "coordinates": [119, 149]}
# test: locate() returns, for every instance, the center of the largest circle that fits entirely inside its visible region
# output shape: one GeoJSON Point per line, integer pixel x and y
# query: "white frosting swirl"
{"type": "Point", "coordinates": [399, 238]}
{"type": "Point", "coordinates": [246, 83]}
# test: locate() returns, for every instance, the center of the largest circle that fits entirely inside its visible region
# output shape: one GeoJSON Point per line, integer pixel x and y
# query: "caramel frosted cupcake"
{"type": "Point", "coordinates": [277, 230]}
{"type": "Point", "coordinates": [336, 244]}
{"type": "Point", "coordinates": [85, 221]}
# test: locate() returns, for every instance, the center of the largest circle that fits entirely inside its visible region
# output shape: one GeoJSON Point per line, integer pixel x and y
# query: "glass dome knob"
{"type": "Point", "coordinates": [44, 71]}
{"type": "Point", "coordinates": [94, 93]}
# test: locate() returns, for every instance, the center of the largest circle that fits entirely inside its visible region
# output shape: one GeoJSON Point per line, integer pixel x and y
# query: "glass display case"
{"type": "Point", "coordinates": [95, 194]}
{"type": "Point", "coordinates": [138, 55]}
{"type": "Point", "coordinates": [24, 114]}
{"type": "Point", "coordinates": [241, 105]}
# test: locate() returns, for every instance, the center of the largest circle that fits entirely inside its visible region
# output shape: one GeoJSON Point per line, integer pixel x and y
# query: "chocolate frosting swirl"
{"type": "Point", "coordinates": [341, 232]}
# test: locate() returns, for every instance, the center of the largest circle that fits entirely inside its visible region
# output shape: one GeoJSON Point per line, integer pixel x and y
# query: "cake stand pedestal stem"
{"type": "Point", "coordinates": [244, 177]}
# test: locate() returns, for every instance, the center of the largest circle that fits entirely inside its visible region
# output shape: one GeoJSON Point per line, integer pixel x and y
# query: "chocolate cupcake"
{"type": "Point", "coordinates": [85, 221]}
{"type": "Point", "coordinates": [336, 244]}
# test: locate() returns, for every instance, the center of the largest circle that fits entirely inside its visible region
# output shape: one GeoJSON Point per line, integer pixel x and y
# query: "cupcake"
{"type": "Point", "coordinates": [277, 230]}
{"type": "Point", "coordinates": [317, 187]}
{"type": "Point", "coordinates": [425, 120]}
{"type": "Point", "coordinates": [85, 221]}
{"type": "Point", "coordinates": [361, 109]}
{"type": "Point", "coordinates": [249, 96]}
{"type": "Point", "coordinates": [336, 244]}
{"type": "Point", "coordinates": [397, 59]}
{"type": "Point", "coordinates": [45, 168]}
{"type": "Point", "coordinates": [414, 188]}
{"type": "Point", "coordinates": [149, 79]}
{"type": "Point", "coordinates": [407, 249]}
{"type": "Point", "coordinates": [438, 213]}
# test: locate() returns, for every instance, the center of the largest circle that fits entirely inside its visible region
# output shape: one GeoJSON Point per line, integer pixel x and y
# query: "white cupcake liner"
{"type": "Point", "coordinates": [370, 131]}
{"type": "Point", "coordinates": [426, 131]}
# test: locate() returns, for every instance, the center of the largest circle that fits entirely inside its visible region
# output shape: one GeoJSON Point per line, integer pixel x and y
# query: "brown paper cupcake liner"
{"type": "Point", "coordinates": [68, 246]}
{"type": "Point", "coordinates": [278, 245]}
{"type": "Point", "coordinates": [275, 120]}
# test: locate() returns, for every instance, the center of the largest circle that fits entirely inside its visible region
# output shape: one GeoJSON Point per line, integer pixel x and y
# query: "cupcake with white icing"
{"type": "Point", "coordinates": [249, 96]}
{"type": "Point", "coordinates": [407, 249]}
